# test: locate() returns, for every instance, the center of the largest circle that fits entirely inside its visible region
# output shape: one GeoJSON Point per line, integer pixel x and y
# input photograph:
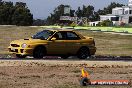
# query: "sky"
{"type": "Point", "coordinates": [42, 8]}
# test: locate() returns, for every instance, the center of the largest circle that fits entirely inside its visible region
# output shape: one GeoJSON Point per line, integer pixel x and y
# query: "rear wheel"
{"type": "Point", "coordinates": [20, 56]}
{"type": "Point", "coordinates": [83, 53]}
{"type": "Point", "coordinates": [39, 52]}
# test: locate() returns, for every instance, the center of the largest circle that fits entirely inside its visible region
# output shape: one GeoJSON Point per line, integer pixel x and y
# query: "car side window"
{"type": "Point", "coordinates": [72, 36]}
{"type": "Point", "coordinates": [58, 36]}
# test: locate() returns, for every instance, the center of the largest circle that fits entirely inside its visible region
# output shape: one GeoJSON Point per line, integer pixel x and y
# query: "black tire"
{"type": "Point", "coordinates": [39, 52]}
{"type": "Point", "coordinates": [20, 56]}
{"type": "Point", "coordinates": [64, 56]}
{"type": "Point", "coordinates": [85, 82]}
{"type": "Point", "coordinates": [83, 53]}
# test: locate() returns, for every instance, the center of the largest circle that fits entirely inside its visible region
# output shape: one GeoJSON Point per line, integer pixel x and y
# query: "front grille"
{"type": "Point", "coordinates": [15, 45]}
{"type": "Point", "coordinates": [16, 50]}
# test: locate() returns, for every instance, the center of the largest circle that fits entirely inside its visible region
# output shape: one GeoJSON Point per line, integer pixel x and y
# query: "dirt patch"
{"type": "Point", "coordinates": [59, 74]}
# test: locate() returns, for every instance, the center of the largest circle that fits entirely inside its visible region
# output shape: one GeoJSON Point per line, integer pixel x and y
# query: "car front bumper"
{"type": "Point", "coordinates": [21, 51]}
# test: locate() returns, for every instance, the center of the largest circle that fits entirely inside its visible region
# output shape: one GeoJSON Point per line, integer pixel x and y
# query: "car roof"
{"type": "Point", "coordinates": [72, 30]}
{"type": "Point", "coordinates": [60, 29]}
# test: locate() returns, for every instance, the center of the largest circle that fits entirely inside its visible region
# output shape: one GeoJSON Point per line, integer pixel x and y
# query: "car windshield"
{"type": "Point", "coordinates": [45, 34]}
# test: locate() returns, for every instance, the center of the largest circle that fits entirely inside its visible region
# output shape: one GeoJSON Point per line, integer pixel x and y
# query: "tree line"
{"type": "Point", "coordinates": [85, 11]}
{"type": "Point", "coordinates": [15, 14]}
{"type": "Point", "coordinates": [19, 14]}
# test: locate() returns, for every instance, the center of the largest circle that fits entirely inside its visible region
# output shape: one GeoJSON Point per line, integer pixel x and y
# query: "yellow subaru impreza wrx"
{"type": "Point", "coordinates": [54, 42]}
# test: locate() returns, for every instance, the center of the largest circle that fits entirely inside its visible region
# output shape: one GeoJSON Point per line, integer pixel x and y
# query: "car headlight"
{"type": "Point", "coordinates": [24, 45]}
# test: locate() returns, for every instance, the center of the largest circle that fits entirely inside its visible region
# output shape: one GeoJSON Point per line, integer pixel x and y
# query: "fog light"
{"type": "Point", "coordinates": [21, 50]}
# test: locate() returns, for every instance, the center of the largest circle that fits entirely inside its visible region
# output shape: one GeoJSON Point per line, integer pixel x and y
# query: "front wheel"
{"type": "Point", "coordinates": [83, 53]}
{"type": "Point", "coordinates": [20, 56]}
{"type": "Point", "coordinates": [39, 52]}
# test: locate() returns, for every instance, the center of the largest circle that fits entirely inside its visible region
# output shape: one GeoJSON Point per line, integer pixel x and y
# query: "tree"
{"type": "Point", "coordinates": [79, 12]}
{"type": "Point", "coordinates": [21, 4]}
{"type": "Point", "coordinates": [86, 11]}
{"type": "Point", "coordinates": [39, 22]}
{"type": "Point", "coordinates": [106, 23]}
{"type": "Point", "coordinates": [6, 10]}
{"type": "Point", "coordinates": [108, 9]}
{"type": "Point", "coordinates": [22, 15]}
{"type": "Point", "coordinates": [72, 13]}
{"type": "Point", "coordinates": [54, 17]}
{"type": "Point", "coordinates": [16, 15]}
{"type": "Point", "coordinates": [96, 16]}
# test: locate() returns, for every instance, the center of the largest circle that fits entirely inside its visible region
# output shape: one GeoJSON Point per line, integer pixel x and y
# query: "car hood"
{"type": "Point", "coordinates": [28, 41]}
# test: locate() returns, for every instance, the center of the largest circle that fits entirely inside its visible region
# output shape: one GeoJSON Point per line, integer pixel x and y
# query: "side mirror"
{"type": "Point", "coordinates": [53, 39]}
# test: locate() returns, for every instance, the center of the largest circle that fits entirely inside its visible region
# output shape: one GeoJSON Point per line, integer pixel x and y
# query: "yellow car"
{"type": "Point", "coordinates": [57, 42]}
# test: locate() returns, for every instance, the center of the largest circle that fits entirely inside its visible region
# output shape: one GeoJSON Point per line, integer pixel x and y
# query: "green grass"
{"type": "Point", "coordinates": [111, 44]}
{"type": "Point", "coordinates": [115, 29]}
{"type": "Point", "coordinates": [106, 43]}
{"type": "Point", "coordinates": [10, 33]}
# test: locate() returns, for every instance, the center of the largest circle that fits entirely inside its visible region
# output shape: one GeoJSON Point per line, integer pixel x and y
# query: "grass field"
{"type": "Point", "coordinates": [129, 30]}
{"type": "Point", "coordinates": [106, 43]}
{"type": "Point", "coordinates": [64, 74]}
{"type": "Point", "coordinates": [57, 74]}
{"type": "Point", "coordinates": [115, 29]}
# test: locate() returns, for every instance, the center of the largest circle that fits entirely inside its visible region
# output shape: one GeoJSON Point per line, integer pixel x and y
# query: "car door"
{"type": "Point", "coordinates": [72, 42]}
{"type": "Point", "coordinates": [57, 46]}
